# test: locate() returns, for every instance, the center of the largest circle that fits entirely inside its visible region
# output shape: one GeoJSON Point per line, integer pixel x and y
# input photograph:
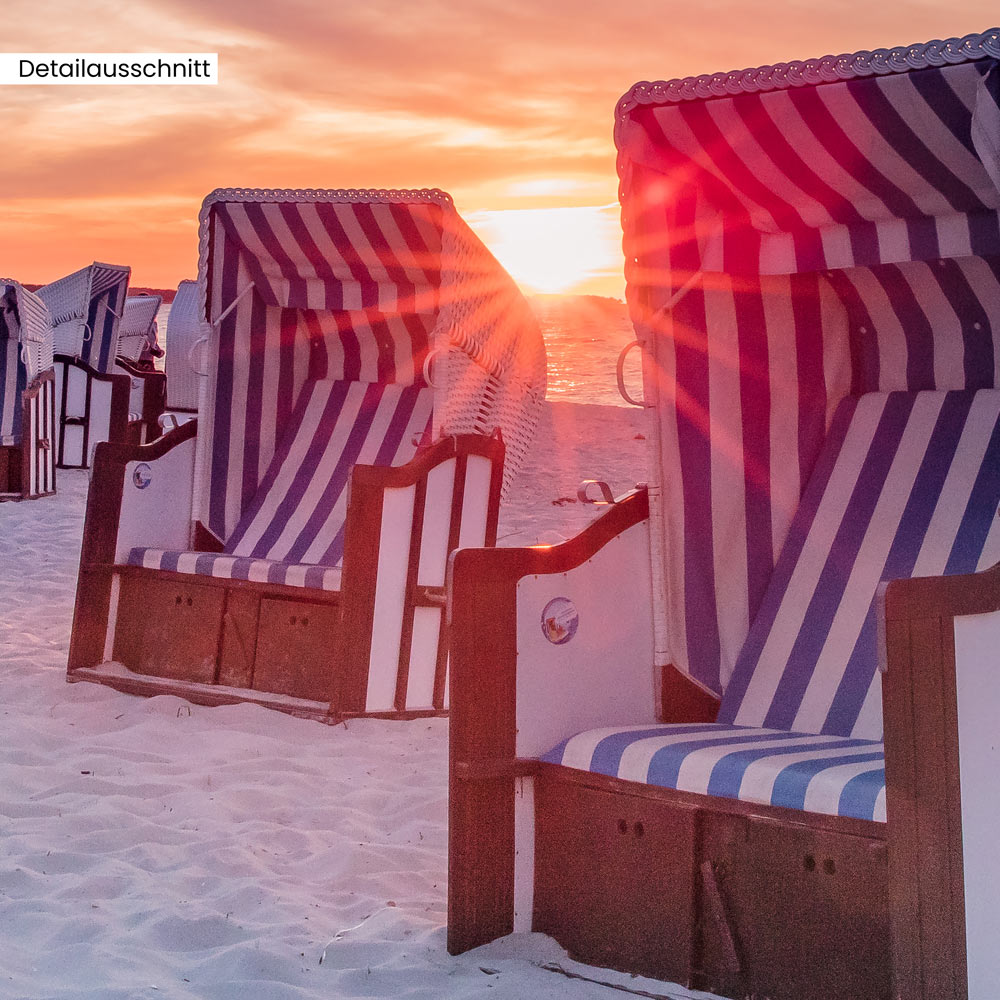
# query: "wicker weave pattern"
{"type": "Point", "coordinates": [36, 331]}
{"type": "Point", "coordinates": [827, 69]}
{"type": "Point", "coordinates": [494, 371]}
{"type": "Point", "coordinates": [137, 327]}
{"type": "Point", "coordinates": [184, 330]}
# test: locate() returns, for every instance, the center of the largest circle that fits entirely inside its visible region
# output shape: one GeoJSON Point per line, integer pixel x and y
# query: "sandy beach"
{"type": "Point", "coordinates": [154, 849]}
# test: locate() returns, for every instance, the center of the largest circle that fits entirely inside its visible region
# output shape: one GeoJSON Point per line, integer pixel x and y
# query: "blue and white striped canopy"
{"type": "Point", "coordinates": [359, 287]}
{"type": "Point", "coordinates": [795, 235]}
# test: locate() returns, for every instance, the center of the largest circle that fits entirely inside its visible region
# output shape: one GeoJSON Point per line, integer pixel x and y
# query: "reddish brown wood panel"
{"type": "Point", "coordinates": [296, 645]}
{"type": "Point", "coordinates": [10, 469]}
{"type": "Point", "coordinates": [681, 700]}
{"type": "Point", "coordinates": [615, 879]}
{"type": "Point", "coordinates": [806, 908]}
{"type": "Point", "coordinates": [239, 637]}
{"type": "Point", "coordinates": [169, 628]}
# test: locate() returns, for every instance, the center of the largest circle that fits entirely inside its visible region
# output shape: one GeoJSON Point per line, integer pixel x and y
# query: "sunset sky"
{"type": "Point", "coordinates": [506, 104]}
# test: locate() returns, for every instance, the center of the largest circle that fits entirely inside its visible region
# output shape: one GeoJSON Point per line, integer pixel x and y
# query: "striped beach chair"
{"type": "Point", "coordinates": [27, 397]}
{"type": "Point", "coordinates": [373, 378]}
{"type": "Point", "coordinates": [671, 753]}
{"type": "Point", "coordinates": [92, 398]}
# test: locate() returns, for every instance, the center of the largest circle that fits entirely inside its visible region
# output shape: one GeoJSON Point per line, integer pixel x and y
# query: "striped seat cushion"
{"type": "Point", "coordinates": [227, 567]}
{"type": "Point", "coordinates": [834, 775]}
{"type": "Point", "coordinates": [300, 508]}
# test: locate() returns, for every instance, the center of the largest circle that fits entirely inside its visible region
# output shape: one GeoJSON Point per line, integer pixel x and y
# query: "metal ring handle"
{"type": "Point", "coordinates": [620, 371]}
{"type": "Point", "coordinates": [432, 356]}
{"type": "Point", "coordinates": [190, 357]}
{"type": "Point", "coordinates": [583, 492]}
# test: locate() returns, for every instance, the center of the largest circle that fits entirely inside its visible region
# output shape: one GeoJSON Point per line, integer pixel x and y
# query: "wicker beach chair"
{"type": "Point", "coordinates": [186, 340]}
{"type": "Point", "coordinates": [137, 347]}
{"type": "Point", "coordinates": [27, 395]}
{"type": "Point", "coordinates": [369, 367]}
{"type": "Point", "coordinates": [667, 744]}
{"type": "Point", "coordinates": [92, 399]}
{"type": "Point", "coordinates": [137, 335]}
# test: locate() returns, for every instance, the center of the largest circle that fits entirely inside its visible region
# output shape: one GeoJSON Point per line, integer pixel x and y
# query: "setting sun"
{"type": "Point", "coordinates": [555, 249]}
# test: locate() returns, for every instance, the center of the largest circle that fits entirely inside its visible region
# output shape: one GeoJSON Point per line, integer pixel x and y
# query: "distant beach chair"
{"type": "Point", "coordinates": [137, 347]}
{"type": "Point", "coordinates": [667, 733]}
{"type": "Point", "coordinates": [370, 365]}
{"type": "Point", "coordinates": [187, 339]}
{"type": "Point", "coordinates": [27, 395]}
{"type": "Point", "coordinates": [92, 399]}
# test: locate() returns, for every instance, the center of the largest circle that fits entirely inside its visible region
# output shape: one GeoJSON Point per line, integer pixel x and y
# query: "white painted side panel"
{"type": "Point", "coordinates": [524, 853]}
{"type": "Point", "coordinates": [423, 658]}
{"type": "Point", "coordinates": [30, 443]}
{"type": "Point", "coordinates": [72, 453]}
{"type": "Point", "coordinates": [158, 514]}
{"type": "Point", "coordinates": [76, 394]}
{"type": "Point", "coordinates": [100, 414]}
{"type": "Point", "coordinates": [603, 674]}
{"type": "Point", "coordinates": [437, 521]}
{"type": "Point", "coordinates": [977, 639]}
{"type": "Point", "coordinates": [390, 592]}
{"type": "Point", "coordinates": [476, 502]}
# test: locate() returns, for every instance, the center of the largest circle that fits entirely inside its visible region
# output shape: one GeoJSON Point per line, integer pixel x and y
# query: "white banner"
{"type": "Point", "coordinates": [161, 68]}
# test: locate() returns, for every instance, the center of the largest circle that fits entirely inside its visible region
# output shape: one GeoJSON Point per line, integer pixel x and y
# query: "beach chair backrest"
{"type": "Point", "coordinates": [299, 511]}
{"type": "Point", "coordinates": [86, 308]}
{"type": "Point", "coordinates": [795, 236]}
{"type": "Point", "coordinates": [907, 484]}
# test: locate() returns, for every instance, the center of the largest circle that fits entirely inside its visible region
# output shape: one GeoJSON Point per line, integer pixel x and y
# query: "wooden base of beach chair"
{"type": "Point", "coordinates": [232, 633]}
{"type": "Point", "coordinates": [740, 900]}
{"type": "Point", "coordinates": [366, 649]}
{"type": "Point", "coordinates": [91, 407]}
{"type": "Point", "coordinates": [27, 469]}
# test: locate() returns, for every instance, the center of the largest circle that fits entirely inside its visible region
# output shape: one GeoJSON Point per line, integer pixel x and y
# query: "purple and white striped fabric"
{"type": "Point", "coordinates": [862, 172]}
{"type": "Point", "coordinates": [300, 509]}
{"type": "Point", "coordinates": [847, 240]}
{"type": "Point", "coordinates": [907, 484]}
{"type": "Point", "coordinates": [12, 372]}
{"type": "Point", "coordinates": [314, 290]}
{"type": "Point", "coordinates": [25, 352]}
{"type": "Point", "coordinates": [229, 567]}
{"type": "Point", "coordinates": [86, 309]}
{"type": "Point", "coordinates": [831, 775]}
{"type": "Point", "coordinates": [293, 532]}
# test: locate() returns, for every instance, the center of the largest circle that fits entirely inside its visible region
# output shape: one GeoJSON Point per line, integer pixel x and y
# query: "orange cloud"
{"type": "Point", "coordinates": [507, 105]}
